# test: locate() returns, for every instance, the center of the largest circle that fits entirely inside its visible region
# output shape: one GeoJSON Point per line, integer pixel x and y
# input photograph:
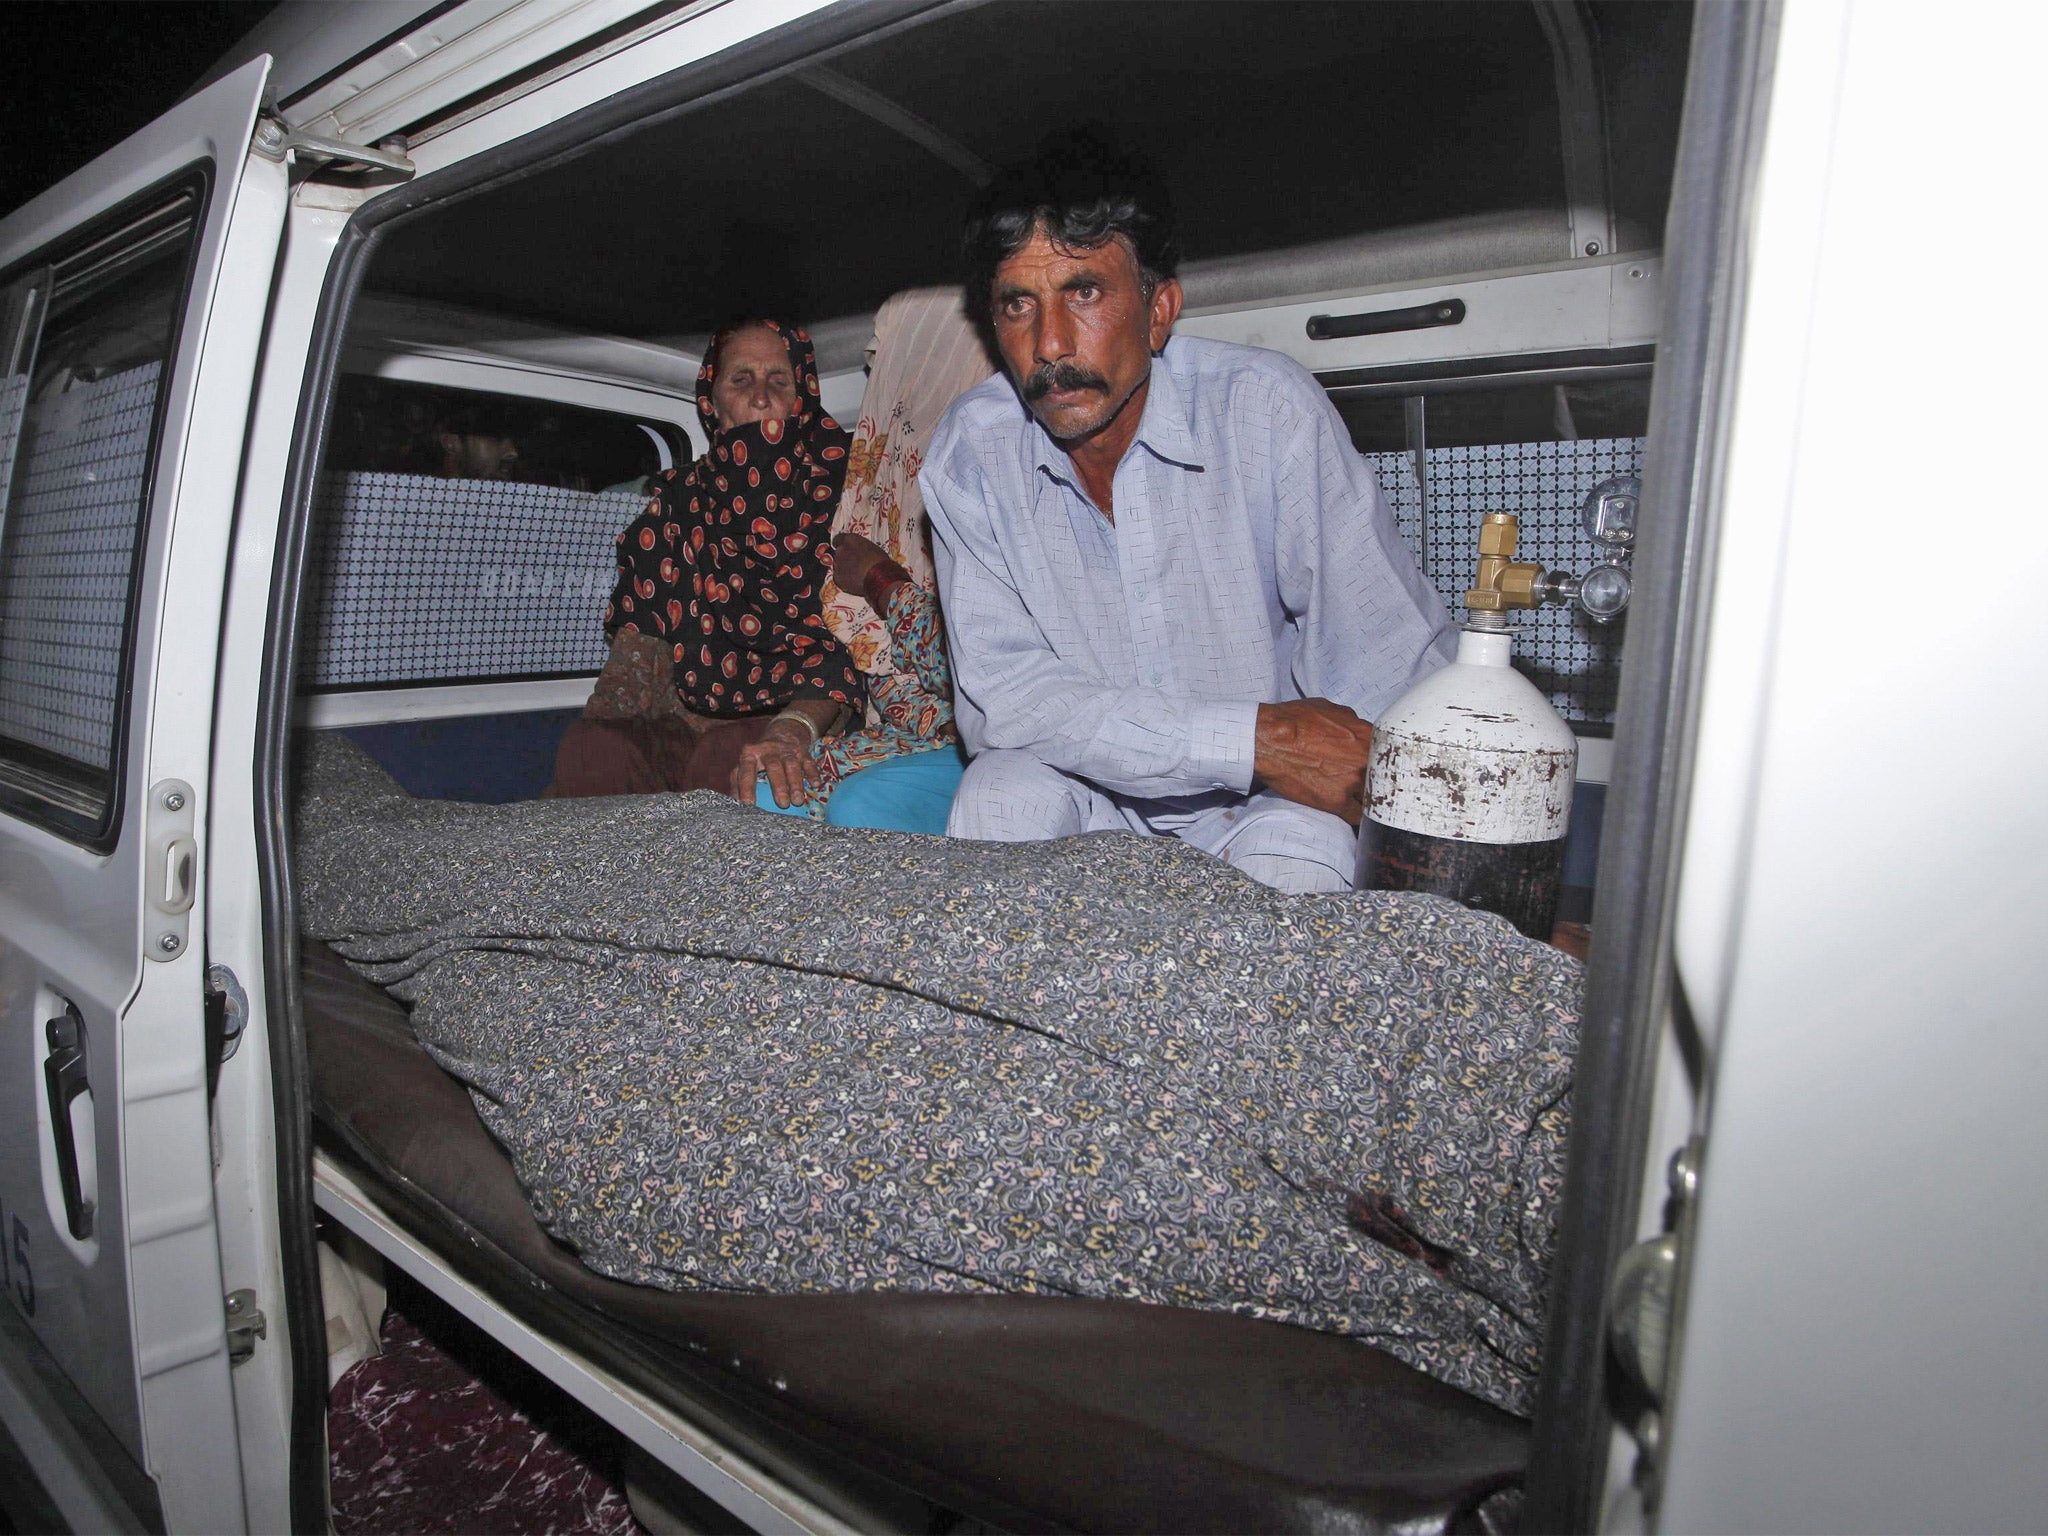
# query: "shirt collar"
{"type": "Point", "coordinates": [1164, 430]}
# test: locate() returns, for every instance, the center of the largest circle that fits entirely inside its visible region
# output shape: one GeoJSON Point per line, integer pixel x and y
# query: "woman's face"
{"type": "Point", "coordinates": [755, 381]}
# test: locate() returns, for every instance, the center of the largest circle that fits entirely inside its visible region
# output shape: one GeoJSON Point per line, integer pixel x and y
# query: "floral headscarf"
{"type": "Point", "coordinates": [923, 357]}
{"type": "Point", "coordinates": [729, 560]}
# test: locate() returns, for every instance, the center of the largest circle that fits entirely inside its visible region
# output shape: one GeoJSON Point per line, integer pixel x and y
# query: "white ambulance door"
{"type": "Point", "coordinates": [133, 299]}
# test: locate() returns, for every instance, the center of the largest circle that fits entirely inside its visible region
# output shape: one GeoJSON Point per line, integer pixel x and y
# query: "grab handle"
{"type": "Point", "coordinates": [64, 1077]}
{"type": "Point", "coordinates": [1384, 322]}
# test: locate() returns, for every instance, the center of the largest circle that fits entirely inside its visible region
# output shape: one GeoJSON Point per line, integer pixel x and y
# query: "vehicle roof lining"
{"type": "Point", "coordinates": [1398, 141]}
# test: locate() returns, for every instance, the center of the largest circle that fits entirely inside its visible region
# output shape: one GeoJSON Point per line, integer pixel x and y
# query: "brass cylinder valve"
{"type": "Point", "coordinates": [1504, 582]}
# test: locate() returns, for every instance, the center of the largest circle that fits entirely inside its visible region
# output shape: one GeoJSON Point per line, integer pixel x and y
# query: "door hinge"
{"type": "Point", "coordinates": [274, 141]}
{"type": "Point", "coordinates": [1642, 1313]}
{"type": "Point", "coordinates": [246, 1324]}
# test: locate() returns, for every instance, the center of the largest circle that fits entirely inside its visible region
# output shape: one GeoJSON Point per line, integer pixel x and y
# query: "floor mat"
{"type": "Point", "coordinates": [426, 1438]}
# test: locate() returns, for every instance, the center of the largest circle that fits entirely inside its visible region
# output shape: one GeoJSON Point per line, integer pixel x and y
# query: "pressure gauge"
{"type": "Point", "coordinates": [1603, 593]}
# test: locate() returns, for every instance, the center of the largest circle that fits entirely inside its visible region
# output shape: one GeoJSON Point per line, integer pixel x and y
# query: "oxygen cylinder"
{"type": "Point", "coordinates": [1469, 787]}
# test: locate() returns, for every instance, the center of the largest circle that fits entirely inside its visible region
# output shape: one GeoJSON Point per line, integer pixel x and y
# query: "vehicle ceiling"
{"type": "Point", "coordinates": [1277, 123]}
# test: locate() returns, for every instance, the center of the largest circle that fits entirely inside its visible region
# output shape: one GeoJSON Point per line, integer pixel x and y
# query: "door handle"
{"type": "Point", "coordinates": [64, 1078]}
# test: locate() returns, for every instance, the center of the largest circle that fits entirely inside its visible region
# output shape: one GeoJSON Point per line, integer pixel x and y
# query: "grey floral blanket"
{"type": "Point", "coordinates": [739, 1051]}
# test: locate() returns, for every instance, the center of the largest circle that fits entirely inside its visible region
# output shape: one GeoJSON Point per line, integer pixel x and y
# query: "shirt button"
{"type": "Point", "coordinates": [1139, 594]}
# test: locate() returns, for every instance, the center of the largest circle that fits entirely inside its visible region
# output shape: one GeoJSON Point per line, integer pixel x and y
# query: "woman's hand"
{"type": "Point", "coordinates": [862, 567]}
{"type": "Point", "coordinates": [784, 753]}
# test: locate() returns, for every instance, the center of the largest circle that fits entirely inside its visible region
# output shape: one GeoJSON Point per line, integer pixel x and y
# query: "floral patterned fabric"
{"type": "Point", "coordinates": [918, 642]}
{"type": "Point", "coordinates": [728, 561]}
{"type": "Point", "coordinates": [739, 1051]}
{"type": "Point", "coordinates": [924, 356]}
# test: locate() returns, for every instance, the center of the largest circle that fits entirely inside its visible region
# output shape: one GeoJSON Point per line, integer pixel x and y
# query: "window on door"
{"type": "Point", "coordinates": [88, 342]}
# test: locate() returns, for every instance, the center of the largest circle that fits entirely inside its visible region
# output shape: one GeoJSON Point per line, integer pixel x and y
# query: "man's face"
{"type": "Point", "coordinates": [479, 456]}
{"type": "Point", "coordinates": [1077, 331]}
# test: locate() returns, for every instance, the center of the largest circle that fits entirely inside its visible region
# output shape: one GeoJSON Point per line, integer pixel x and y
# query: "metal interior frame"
{"type": "Point", "coordinates": [1487, 373]}
{"type": "Point", "coordinates": [1582, 123]}
{"type": "Point", "coordinates": [899, 120]}
{"type": "Point", "coordinates": [1628, 983]}
{"type": "Point", "coordinates": [407, 1216]}
{"type": "Point", "coordinates": [735, 1481]}
{"type": "Point", "coordinates": [369, 51]}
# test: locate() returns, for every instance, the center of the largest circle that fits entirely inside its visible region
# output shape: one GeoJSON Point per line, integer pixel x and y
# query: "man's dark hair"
{"type": "Point", "coordinates": [1083, 190]}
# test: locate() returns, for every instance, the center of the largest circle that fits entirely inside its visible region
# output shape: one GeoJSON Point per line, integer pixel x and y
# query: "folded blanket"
{"type": "Point", "coordinates": [732, 1050]}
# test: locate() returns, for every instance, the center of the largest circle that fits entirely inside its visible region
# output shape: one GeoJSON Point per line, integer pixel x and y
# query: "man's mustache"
{"type": "Point", "coordinates": [1052, 376]}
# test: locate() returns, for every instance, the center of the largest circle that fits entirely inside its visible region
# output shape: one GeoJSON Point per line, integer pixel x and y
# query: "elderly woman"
{"type": "Point", "coordinates": [722, 669]}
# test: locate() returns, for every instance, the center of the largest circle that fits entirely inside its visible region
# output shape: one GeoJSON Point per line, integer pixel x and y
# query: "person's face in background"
{"type": "Point", "coordinates": [478, 456]}
{"type": "Point", "coordinates": [755, 381]}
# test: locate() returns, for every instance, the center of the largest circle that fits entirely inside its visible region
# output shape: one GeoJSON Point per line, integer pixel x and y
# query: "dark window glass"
{"type": "Point", "coordinates": [390, 426]}
{"type": "Point", "coordinates": [1459, 417]}
{"type": "Point", "coordinates": [469, 537]}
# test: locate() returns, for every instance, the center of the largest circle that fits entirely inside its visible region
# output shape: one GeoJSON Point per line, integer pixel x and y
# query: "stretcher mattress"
{"type": "Point", "coordinates": [1026, 1412]}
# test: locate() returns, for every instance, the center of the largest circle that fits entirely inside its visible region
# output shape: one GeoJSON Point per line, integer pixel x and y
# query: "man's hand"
{"type": "Point", "coordinates": [638, 682]}
{"type": "Point", "coordinates": [1314, 752]}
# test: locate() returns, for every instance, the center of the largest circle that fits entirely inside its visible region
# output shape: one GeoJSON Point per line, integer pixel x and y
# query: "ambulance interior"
{"type": "Point", "coordinates": [1505, 162]}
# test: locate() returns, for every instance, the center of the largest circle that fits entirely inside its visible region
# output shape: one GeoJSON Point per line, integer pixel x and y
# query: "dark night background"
{"type": "Point", "coordinates": [78, 77]}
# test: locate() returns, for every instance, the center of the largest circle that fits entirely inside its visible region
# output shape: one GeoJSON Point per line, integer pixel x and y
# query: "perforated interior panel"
{"type": "Point", "coordinates": [419, 579]}
{"type": "Point", "coordinates": [13, 396]}
{"type": "Point", "coordinates": [69, 542]}
{"type": "Point", "coordinates": [1576, 662]}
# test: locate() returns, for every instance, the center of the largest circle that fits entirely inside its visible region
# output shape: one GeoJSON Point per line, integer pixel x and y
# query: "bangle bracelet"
{"type": "Point", "coordinates": [884, 575]}
{"type": "Point", "coordinates": [801, 719]}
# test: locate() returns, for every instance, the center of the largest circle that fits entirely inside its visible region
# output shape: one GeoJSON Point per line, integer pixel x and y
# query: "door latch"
{"type": "Point", "coordinates": [170, 871]}
{"type": "Point", "coordinates": [227, 1014]}
{"type": "Point", "coordinates": [246, 1324]}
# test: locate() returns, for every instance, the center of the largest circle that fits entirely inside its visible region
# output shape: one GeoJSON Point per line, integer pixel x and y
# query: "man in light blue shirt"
{"type": "Point", "coordinates": [1174, 592]}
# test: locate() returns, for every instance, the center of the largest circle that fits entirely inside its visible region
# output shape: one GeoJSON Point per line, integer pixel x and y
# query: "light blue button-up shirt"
{"type": "Point", "coordinates": [1253, 560]}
